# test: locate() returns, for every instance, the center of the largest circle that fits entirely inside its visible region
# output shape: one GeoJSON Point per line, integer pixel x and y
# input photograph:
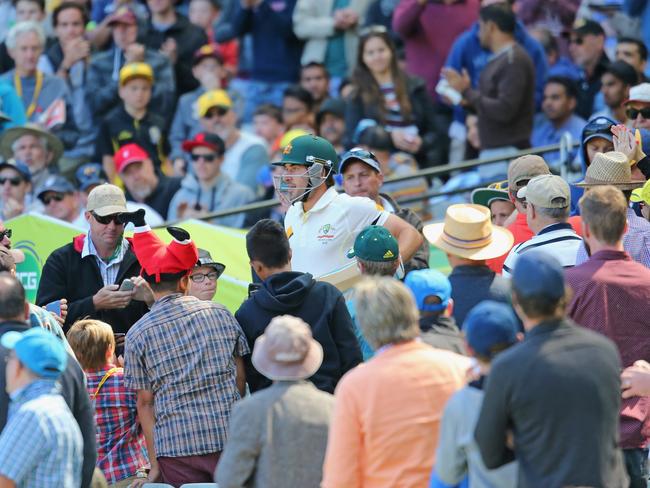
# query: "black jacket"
{"type": "Point", "coordinates": [73, 390]}
{"type": "Point", "coordinates": [67, 275]}
{"type": "Point", "coordinates": [319, 304]}
{"type": "Point", "coordinates": [559, 392]}
{"type": "Point", "coordinates": [162, 195]}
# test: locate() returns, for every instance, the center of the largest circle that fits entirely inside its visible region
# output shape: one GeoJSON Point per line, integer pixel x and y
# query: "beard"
{"type": "Point", "coordinates": [141, 193]}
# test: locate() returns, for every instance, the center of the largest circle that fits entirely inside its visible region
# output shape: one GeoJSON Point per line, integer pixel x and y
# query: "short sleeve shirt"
{"type": "Point", "coordinates": [321, 237]}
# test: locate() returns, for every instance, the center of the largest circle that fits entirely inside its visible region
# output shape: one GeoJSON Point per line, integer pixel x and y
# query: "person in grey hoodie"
{"type": "Point", "coordinates": [207, 189]}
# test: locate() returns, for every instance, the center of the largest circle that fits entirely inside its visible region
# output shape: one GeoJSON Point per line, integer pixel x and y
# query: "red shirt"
{"type": "Point", "coordinates": [612, 297]}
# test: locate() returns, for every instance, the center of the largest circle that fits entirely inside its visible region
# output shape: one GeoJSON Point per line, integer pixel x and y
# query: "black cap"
{"type": "Point", "coordinates": [334, 106]}
{"type": "Point", "coordinates": [624, 72]}
{"type": "Point", "coordinates": [585, 26]}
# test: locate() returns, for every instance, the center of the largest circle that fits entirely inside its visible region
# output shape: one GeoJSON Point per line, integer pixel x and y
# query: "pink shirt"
{"type": "Point", "coordinates": [387, 414]}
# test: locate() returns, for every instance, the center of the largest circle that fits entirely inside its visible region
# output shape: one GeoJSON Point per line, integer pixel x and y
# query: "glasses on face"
{"type": "Point", "coordinates": [217, 111]}
{"type": "Point", "coordinates": [57, 197]}
{"type": "Point", "coordinates": [578, 41]}
{"type": "Point", "coordinates": [200, 277]}
{"type": "Point", "coordinates": [208, 158]}
{"type": "Point", "coordinates": [13, 181]}
{"type": "Point", "coordinates": [107, 219]}
{"type": "Point", "coordinates": [5, 233]}
{"type": "Point", "coordinates": [633, 113]}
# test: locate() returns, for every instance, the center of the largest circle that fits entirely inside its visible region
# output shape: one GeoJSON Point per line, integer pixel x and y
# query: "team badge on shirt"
{"type": "Point", "coordinates": [325, 233]}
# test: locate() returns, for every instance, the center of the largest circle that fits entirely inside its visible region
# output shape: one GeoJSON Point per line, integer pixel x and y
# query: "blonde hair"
{"type": "Point", "coordinates": [386, 311]}
{"type": "Point", "coordinates": [90, 340]}
{"type": "Point", "coordinates": [604, 210]}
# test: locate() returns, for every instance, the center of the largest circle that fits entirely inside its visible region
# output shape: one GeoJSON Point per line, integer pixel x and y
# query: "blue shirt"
{"type": "Point", "coordinates": [41, 445]}
{"type": "Point", "coordinates": [545, 133]}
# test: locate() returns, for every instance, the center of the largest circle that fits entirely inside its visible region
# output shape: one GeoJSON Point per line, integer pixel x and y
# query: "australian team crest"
{"type": "Point", "coordinates": [326, 233]}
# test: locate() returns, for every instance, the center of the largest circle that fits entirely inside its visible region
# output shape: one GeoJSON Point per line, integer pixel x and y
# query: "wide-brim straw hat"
{"type": "Point", "coordinates": [468, 232]}
{"type": "Point", "coordinates": [11, 135]}
{"type": "Point", "coordinates": [610, 168]}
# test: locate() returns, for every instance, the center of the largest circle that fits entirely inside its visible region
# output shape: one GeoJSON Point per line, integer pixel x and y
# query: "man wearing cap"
{"type": "Point", "coordinates": [61, 201]}
{"type": "Point", "coordinates": [548, 200]}
{"type": "Point", "coordinates": [38, 149]}
{"type": "Point", "coordinates": [432, 292]}
{"type": "Point", "coordinates": [642, 197]}
{"type": "Point", "coordinates": [184, 358]}
{"type": "Point", "coordinates": [103, 72]}
{"type": "Point", "coordinates": [135, 121]}
{"type": "Point", "coordinates": [613, 168]}
{"type": "Point", "coordinates": [600, 285]}
{"type": "Point", "coordinates": [569, 365]}
{"type": "Point", "coordinates": [89, 271]}
{"type": "Point", "coordinates": [15, 187]}
{"type": "Point", "coordinates": [616, 81]}
{"type": "Point", "coordinates": [291, 415]}
{"type": "Point", "coordinates": [245, 152]}
{"type": "Point", "coordinates": [207, 188]}
{"type": "Point", "coordinates": [208, 69]}
{"type": "Point", "coordinates": [497, 200]}
{"type": "Point", "coordinates": [637, 107]}
{"type": "Point", "coordinates": [468, 238]}
{"type": "Point", "coordinates": [587, 49]}
{"type": "Point", "coordinates": [284, 291]}
{"type": "Point", "coordinates": [330, 122]}
{"type": "Point", "coordinates": [203, 280]}
{"type": "Point", "coordinates": [490, 328]}
{"type": "Point", "coordinates": [143, 184]}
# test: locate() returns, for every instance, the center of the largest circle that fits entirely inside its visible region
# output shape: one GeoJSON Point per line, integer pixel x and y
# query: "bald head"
{"type": "Point", "coordinates": [13, 305]}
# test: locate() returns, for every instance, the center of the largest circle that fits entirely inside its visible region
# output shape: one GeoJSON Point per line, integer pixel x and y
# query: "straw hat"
{"type": "Point", "coordinates": [287, 351]}
{"type": "Point", "coordinates": [468, 232]}
{"type": "Point", "coordinates": [11, 135]}
{"type": "Point", "coordinates": [610, 168]}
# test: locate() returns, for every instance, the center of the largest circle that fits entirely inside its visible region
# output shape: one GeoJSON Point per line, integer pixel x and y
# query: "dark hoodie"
{"type": "Point", "coordinates": [319, 304]}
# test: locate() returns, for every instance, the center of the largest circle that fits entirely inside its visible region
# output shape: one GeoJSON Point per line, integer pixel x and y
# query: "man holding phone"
{"type": "Point", "coordinates": [89, 271]}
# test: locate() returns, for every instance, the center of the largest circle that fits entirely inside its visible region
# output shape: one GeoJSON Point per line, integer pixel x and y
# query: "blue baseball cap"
{"type": "Point", "coordinates": [490, 327]}
{"type": "Point", "coordinates": [55, 183]}
{"type": "Point", "coordinates": [39, 350]}
{"type": "Point", "coordinates": [18, 166]}
{"type": "Point", "coordinates": [538, 273]}
{"type": "Point", "coordinates": [424, 283]}
{"type": "Point", "coordinates": [90, 174]}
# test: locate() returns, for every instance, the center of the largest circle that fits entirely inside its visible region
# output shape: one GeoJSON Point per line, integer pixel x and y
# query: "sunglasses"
{"type": "Point", "coordinates": [208, 158]}
{"type": "Point", "coordinates": [373, 29]}
{"type": "Point", "coordinates": [57, 197]}
{"type": "Point", "coordinates": [578, 41]}
{"type": "Point", "coordinates": [633, 113]}
{"type": "Point", "coordinates": [359, 153]}
{"type": "Point", "coordinates": [200, 277]}
{"type": "Point", "coordinates": [220, 111]}
{"type": "Point", "coordinates": [107, 219]}
{"type": "Point", "coordinates": [5, 233]}
{"type": "Point", "coordinates": [14, 181]}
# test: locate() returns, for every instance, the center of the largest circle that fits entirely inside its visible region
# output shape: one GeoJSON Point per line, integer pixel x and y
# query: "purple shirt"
{"type": "Point", "coordinates": [612, 297]}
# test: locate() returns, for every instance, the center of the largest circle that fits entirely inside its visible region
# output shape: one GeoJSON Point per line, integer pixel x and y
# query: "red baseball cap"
{"type": "Point", "coordinates": [123, 15]}
{"type": "Point", "coordinates": [205, 139]}
{"type": "Point", "coordinates": [127, 154]}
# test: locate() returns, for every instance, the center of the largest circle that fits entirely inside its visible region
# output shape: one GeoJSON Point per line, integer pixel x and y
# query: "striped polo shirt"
{"type": "Point", "coordinates": [559, 240]}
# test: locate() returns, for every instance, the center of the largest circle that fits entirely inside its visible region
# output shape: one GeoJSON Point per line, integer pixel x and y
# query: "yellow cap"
{"type": "Point", "coordinates": [641, 194]}
{"type": "Point", "coordinates": [290, 136]}
{"type": "Point", "coordinates": [213, 98]}
{"type": "Point", "coordinates": [135, 70]}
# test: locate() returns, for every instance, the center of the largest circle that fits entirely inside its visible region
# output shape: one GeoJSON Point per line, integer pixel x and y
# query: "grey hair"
{"type": "Point", "coordinates": [42, 139]}
{"type": "Point", "coordinates": [386, 311]}
{"type": "Point", "coordinates": [559, 214]}
{"type": "Point", "coordinates": [24, 28]}
{"type": "Point", "coordinates": [379, 268]}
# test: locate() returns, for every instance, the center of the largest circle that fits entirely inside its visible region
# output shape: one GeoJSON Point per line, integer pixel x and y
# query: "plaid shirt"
{"type": "Point", "coordinates": [636, 241]}
{"type": "Point", "coordinates": [182, 351]}
{"type": "Point", "coordinates": [121, 450]}
{"type": "Point", "coordinates": [41, 445]}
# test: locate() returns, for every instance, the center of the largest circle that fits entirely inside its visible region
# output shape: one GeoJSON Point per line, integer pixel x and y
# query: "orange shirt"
{"type": "Point", "coordinates": [387, 413]}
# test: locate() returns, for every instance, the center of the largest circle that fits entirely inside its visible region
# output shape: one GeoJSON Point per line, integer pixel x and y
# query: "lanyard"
{"type": "Point", "coordinates": [37, 91]}
{"type": "Point", "coordinates": [108, 374]}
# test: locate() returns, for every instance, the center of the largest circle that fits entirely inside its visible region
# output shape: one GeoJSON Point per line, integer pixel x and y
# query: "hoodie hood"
{"type": "Point", "coordinates": [285, 291]}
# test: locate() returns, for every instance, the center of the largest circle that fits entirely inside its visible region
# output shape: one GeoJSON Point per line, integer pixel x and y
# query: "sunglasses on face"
{"type": "Point", "coordinates": [633, 113]}
{"type": "Point", "coordinates": [13, 181]}
{"type": "Point", "coordinates": [107, 219]}
{"type": "Point", "coordinates": [216, 111]}
{"type": "Point", "coordinates": [57, 197]}
{"type": "Point", "coordinates": [208, 158]}
{"type": "Point", "coordinates": [200, 277]}
{"type": "Point", "coordinates": [578, 41]}
{"type": "Point", "coordinates": [5, 233]}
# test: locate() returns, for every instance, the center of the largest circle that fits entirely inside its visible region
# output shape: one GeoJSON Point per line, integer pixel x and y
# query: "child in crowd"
{"type": "Point", "coordinates": [121, 451]}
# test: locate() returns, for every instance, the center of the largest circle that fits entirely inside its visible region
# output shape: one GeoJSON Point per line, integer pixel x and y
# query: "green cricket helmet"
{"type": "Point", "coordinates": [306, 150]}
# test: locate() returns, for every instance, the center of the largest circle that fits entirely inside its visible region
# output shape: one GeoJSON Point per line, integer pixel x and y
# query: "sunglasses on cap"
{"type": "Point", "coordinates": [107, 219]}
{"type": "Point", "coordinates": [359, 153]}
{"type": "Point", "coordinates": [220, 111]}
{"type": "Point", "coordinates": [13, 181]}
{"type": "Point", "coordinates": [5, 233]}
{"type": "Point", "coordinates": [578, 41]}
{"type": "Point", "coordinates": [56, 197]}
{"type": "Point", "coordinates": [208, 158]}
{"type": "Point", "coordinates": [633, 113]}
{"type": "Point", "coordinates": [373, 29]}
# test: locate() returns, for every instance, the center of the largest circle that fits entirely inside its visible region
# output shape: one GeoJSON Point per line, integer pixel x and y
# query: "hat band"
{"type": "Point", "coordinates": [466, 243]}
{"type": "Point", "coordinates": [595, 181]}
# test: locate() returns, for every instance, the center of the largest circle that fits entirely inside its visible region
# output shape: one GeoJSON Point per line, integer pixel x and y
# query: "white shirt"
{"type": "Point", "coordinates": [321, 237]}
{"type": "Point", "coordinates": [559, 240]}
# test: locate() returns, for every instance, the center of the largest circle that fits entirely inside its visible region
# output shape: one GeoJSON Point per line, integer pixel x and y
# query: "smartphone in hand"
{"type": "Point", "coordinates": [54, 307]}
{"type": "Point", "coordinates": [127, 285]}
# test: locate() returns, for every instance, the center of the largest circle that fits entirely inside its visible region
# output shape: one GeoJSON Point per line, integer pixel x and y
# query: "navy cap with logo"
{"type": "Point", "coordinates": [19, 167]}
{"type": "Point", "coordinates": [56, 184]}
{"type": "Point", "coordinates": [582, 27]}
{"type": "Point", "coordinates": [358, 154]}
{"type": "Point", "coordinates": [490, 327]}
{"type": "Point", "coordinates": [90, 174]}
{"type": "Point", "coordinates": [538, 274]}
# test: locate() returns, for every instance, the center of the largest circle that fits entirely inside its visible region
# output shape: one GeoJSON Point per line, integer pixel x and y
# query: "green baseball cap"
{"type": "Point", "coordinates": [375, 243]}
{"type": "Point", "coordinates": [306, 150]}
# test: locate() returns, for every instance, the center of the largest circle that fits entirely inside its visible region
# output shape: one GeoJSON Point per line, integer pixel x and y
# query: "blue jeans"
{"type": "Point", "coordinates": [256, 93]}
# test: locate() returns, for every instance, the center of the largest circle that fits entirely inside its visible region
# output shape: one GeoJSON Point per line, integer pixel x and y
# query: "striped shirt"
{"type": "Point", "coordinates": [636, 241]}
{"type": "Point", "coordinates": [41, 445]}
{"type": "Point", "coordinates": [559, 240]}
{"type": "Point", "coordinates": [182, 351]}
{"type": "Point", "coordinates": [109, 270]}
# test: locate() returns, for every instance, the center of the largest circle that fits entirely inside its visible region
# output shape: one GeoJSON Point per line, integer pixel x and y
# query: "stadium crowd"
{"type": "Point", "coordinates": [352, 362]}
